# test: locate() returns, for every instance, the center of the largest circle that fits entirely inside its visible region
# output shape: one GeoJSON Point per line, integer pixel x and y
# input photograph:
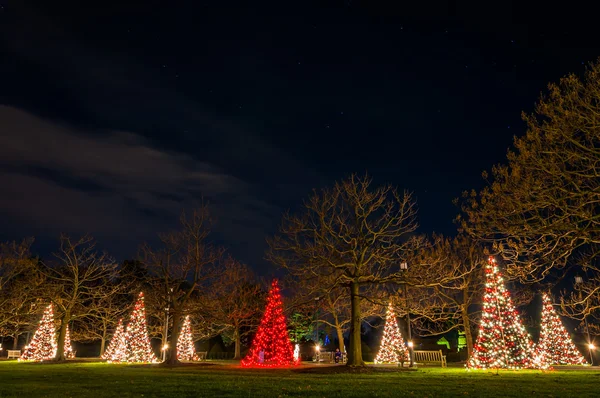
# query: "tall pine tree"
{"type": "Point", "coordinates": [392, 348]}
{"type": "Point", "coordinates": [68, 347]}
{"type": "Point", "coordinates": [503, 341]}
{"type": "Point", "coordinates": [138, 342]}
{"type": "Point", "coordinates": [43, 344]}
{"type": "Point", "coordinates": [271, 346]}
{"type": "Point", "coordinates": [185, 344]}
{"type": "Point", "coordinates": [117, 349]}
{"type": "Point", "coordinates": [555, 344]}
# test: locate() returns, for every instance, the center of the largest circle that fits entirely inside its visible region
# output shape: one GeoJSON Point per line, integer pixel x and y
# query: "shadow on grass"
{"type": "Point", "coordinates": [352, 369]}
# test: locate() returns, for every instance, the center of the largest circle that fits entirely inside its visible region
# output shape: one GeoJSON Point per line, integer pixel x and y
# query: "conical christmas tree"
{"type": "Point", "coordinates": [43, 345]}
{"type": "Point", "coordinates": [503, 341]}
{"type": "Point", "coordinates": [271, 346]}
{"type": "Point", "coordinates": [185, 343]}
{"type": "Point", "coordinates": [392, 349]}
{"type": "Point", "coordinates": [117, 349]}
{"type": "Point", "coordinates": [138, 342]}
{"type": "Point", "coordinates": [555, 344]}
{"type": "Point", "coordinates": [68, 348]}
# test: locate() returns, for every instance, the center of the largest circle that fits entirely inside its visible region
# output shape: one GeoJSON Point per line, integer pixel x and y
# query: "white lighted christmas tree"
{"type": "Point", "coordinates": [138, 342]}
{"type": "Point", "coordinates": [503, 341]}
{"type": "Point", "coordinates": [43, 344]}
{"type": "Point", "coordinates": [68, 347]}
{"type": "Point", "coordinates": [555, 344]}
{"type": "Point", "coordinates": [185, 342]}
{"type": "Point", "coordinates": [392, 348]}
{"type": "Point", "coordinates": [117, 349]}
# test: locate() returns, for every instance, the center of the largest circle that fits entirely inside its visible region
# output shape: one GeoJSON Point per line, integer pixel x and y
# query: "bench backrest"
{"type": "Point", "coordinates": [13, 353]}
{"type": "Point", "coordinates": [428, 356]}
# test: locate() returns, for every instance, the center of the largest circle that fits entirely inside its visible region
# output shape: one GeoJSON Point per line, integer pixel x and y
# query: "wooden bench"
{"type": "Point", "coordinates": [202, 355]}
{"type": "Point", "coordinates": [13, 354]}
{"type": "Point", "coordinates": [431, 357]}
{"type": "Point", "coordinates": [324, 356]}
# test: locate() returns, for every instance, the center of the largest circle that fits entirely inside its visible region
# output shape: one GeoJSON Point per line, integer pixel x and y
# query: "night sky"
{"type": "Point", "coordinates": [115, 117]}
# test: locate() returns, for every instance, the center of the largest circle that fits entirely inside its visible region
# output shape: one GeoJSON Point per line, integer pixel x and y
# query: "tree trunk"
{"type": "Point", "coordinates": [467, 326]}
{"type": "Point", "coordinates": [103, 338]}
{"type": "Point", "coordinates": [102, 345]}
{"type": "Point", "coordinates": [238, 343]}
{"type": "Point", "coordinates": [171, 358]}
{"type": "Point", "coordinates": [355, 352]}
{"type": "Point", "coordinates": [340, 336]}
{"type": "Point", "coordinates": [60, 342]}
{"type": "Point", "coordinates": [15, 341]}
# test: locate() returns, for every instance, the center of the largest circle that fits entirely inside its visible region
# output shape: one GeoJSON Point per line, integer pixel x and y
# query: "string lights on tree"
{"type": "Point", "coordinates": [43, 345]}
{"type": "Point", "coordinates": [503, 341]}
{"type": "Point", "coordinates": [117, 349]}
{"type": "Point", "coordinates": [555, 345]}
{"type": "Point", "coordinates": [392, 348]}
{"type": "Point", "coordinates": [138, 342]}
{"type": "Point", "coordinates": [68, 347]}
{"type": "Point", "coordinates": [271, 346]}
{"type": "Point", "coordinates": [185, 342]}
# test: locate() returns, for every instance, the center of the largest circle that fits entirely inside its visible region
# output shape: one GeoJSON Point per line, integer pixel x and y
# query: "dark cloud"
{"type": "Point", "coordinates": [58, 178]}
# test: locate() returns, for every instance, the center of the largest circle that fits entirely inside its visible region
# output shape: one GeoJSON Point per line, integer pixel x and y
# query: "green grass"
{"type": "Point", "coordinates": [94, 379]}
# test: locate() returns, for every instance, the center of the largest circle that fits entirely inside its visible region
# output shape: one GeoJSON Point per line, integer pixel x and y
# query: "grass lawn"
{"type": "Point", "coordinates": [97, 379]}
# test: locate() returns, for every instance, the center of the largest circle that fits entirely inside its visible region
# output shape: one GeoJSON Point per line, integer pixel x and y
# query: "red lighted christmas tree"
{"type": "Point", "coordinates": [555, 344]}
{"type": "Point", "coordinates": [117, 349]}
{"type": "Point", "coordinates": [185, 342]}
{"type": "Point", "coordinates": [138, 342]}
{"type": "Point", "coordinates": [392, 349]}
{"type": "Point", "coordinates": [43, 344]}
{"type": "Point", "coordinates": [68, 348]}
{"type": "Point", "coordinates": [503, 341]}
{"type": "Point", "coordinates": [271, 346]}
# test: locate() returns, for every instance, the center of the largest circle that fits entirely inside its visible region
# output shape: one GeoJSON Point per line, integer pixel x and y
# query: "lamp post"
{"type": "Point", "coordinates": [591, 347]}
{"type": "Point", "coordinates": [404, 266]}
{"type": "Point", "coordinates": [165, 346]}
{"type": "Point", "coordinates": [317, 348]}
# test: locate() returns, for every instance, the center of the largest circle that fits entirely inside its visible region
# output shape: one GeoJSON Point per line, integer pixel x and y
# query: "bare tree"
{"type": "Point", "coordinates": [452, 305]}
{"type": "Point", "coordinates": [20, 282]}
{"type": "Point", "coordinates": [540, 209]}
{"type": "Point", "coordinates": [103, 314]}
{"type": "Point", "coordinates": [351, 237]}
{"type": "Point", "coordinates": [235, 302]}
{"type": "Point", "coordinates": [75, 280]}
{"type": "Point", "coordinates": [185, 262]}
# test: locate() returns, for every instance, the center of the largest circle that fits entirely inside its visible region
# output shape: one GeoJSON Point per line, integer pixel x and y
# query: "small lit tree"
{"type": "Point", "coordinates": [117, 349]}
{"type": "Point", "coordinates": [139, 348]}
{"type": "Point", "coordinates": [503, 341]}
{"type": "Point", "coordinates": [43, 344]}
{"type": "Point", "coordinates": [185, 343]}
{"type": "Point", "coordinates": [271, 346]}
{"type": "Point", "coordinates": [69, 354]}
{"type": "Point", "coordinates": [392, 349]}
{"type": "Point", "coordinates": [555, 345]}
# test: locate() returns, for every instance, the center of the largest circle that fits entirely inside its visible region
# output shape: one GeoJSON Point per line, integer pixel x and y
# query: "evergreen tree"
{"type": "Point", "coordinates": [185, 343]}
{"type": "Point", "coordinates": [392, 349]}
{"type": "Point", "coordinates": [43, 345]}
{"type": "Point", "coordinates": [271, 346]}
{"type": "Point", "coordinates": [503, 341]}
{"type": "Point", "coordinates": [117, 349]}
{"type": "Point", "coordinates": [138, 342]}
{"type": "Point", "coordinates": [555, 344]}
{"type": "Point", "coordinates": [68, 348]}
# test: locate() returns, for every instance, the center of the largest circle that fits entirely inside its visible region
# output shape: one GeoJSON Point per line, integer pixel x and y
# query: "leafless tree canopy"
{"type": "Point", "coordinates": [77, 278]}
{"type": "Point", "coordinates": [185, 262]}
{"type": "Point", "coordinates": [540, 209]}
{"type": "Point", "coordinates": [351, 237]}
